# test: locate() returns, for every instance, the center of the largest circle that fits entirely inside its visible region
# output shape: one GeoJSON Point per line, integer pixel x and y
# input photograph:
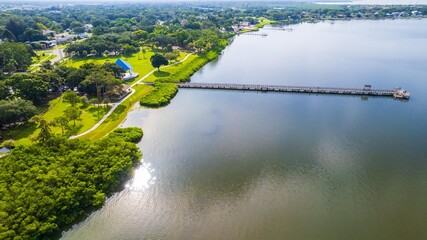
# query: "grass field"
{"type": "Point", "coordinates": [170, 72]}
{"type": "Point", "coordinates": [40, 59]}
{"type": "Point", "coordinates": [264, 21]}
{"type": "Point", "coordinates": [25, 133]}
{"type": "Point", "coordinates": [140, 64]}
{"type": "Point", "coordinates": [88, 118]}
{"type": "Point", "coordinates": [182, 71]}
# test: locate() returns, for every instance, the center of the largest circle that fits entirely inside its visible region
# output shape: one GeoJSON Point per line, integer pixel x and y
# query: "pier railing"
{"type": "Point", "coordinates": [295, 89]}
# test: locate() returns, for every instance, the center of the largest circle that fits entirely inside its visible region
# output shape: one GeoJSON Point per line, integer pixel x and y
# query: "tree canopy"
{"type": "Point", "coordinates": [158, 60]}
{"type": "Point", "coordinates": [49, 184]}
{"type": "Point", "coordinates": [15, 110]}
{"type": "Point", "coordinates": [15, 56]}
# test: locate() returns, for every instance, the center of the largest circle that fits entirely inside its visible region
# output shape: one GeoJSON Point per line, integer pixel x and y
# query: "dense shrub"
{"type": "Point", "coordinates": [161, 95]}
{"type": "Point", "coordinates": [48, 185]}
{"type": "Point", "coordinates": [131, 134]}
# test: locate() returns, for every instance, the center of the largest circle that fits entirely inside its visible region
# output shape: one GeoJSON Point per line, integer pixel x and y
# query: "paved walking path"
{"type": "Point", "coordinates": [130, 94]}
{"type": "Point", "coordinates": [59, 55]}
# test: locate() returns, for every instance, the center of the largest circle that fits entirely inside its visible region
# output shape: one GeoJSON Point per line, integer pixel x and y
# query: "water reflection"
{"type": "Point", "coordinates": [143, 178]}
{"type": "Point", "coordinates": [234, 165]}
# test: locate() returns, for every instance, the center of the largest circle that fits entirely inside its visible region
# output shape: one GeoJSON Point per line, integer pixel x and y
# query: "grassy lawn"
{"type": "Point", "coordinates": [21, 134]}
{"type": "Point", "coordinates": [88, 118]}
{"type": "Point", "coordinates": [171, 71]}
{"type": "Point", "coordinates": [264, 21]}
{"type": "Point", "coordinates": [25, 133]}
{"type": "Point", "coordinates": [140, 64]}
{"type": "Point", "coordinates": [40, 59]}
{"type": "Point", "coordinates": [182, 71]}
{"type": "Point", "coordinates": [119, 114]}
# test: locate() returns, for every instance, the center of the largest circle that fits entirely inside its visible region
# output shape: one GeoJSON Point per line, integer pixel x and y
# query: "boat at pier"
{"type": "Point", "coordinates": [401, 93]}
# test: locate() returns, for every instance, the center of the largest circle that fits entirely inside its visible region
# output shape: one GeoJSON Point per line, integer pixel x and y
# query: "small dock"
{"type": "Point", "coordinates": [255, 34]}
{"type": "Point", "coordinates": [295, 89]}
{"type": "Point", "coordinates": [279, 29]}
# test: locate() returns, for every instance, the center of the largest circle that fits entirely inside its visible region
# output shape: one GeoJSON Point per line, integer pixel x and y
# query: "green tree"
{"type": "Point", "coordinates": [15, 110]}
{"type": "Point", "coordinates": [172, 56]}
{"type": "Point", "coordinates": [17, 26]}
{"type": "Point", "coordinates": [4, 90]}
{"type": "Point", "coordinates": [29, 86]}
{"type": "Point", "coordinates": [144, 51]}
{"type": "Point", "coordinates": [15, 56]}
{"type": "Point", "coordinates": [104, 82]}
{"type": "Point", "coordinates": [73, 114]}
{"type": "Point", "coordinates": [85, 101]}
{"type": "Point", "coordinates": [93, 101]}
{"type": "Point", "coordinates": [47, 185]}
{"type": "Point", "coordinates": [158, 60]}
{"type": "Point", "coordinates": [47, 65]}
{"type": "Point", "coordinates": [140, 35]}
{"type": "Point", "coordinates": [113, 68]}
{"type": "Point", "coordinates": [45, 132]}
{"type": "Point", "coordinates": [62, 122]}
{"type": "Point", "coordinates": [71, 97]}
{"type": "Point", "coordinates": [128, 49]}
{"type": "Point", "coordinates": [106, 102]}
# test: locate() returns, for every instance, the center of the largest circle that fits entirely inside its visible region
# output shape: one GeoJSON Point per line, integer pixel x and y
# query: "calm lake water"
{"type": "Point", "coordinates": [250, 165]}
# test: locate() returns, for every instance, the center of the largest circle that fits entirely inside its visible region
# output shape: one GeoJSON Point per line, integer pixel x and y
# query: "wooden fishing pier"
{"type": "Point", "coordinates": [254, 34]}
{"type": "Point", "coordinates": [366, 91]}
{"type": "Point", "coordinates": [279, 29]}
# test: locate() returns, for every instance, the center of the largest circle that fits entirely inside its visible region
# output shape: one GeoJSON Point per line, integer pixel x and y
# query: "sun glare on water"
{"type": "Point", "coordinates": [142, 179]}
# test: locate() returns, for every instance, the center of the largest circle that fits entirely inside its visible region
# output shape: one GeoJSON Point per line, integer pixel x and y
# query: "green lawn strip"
{"type": "Point", "coordinates": [183, 71]}
{"type": "Point", "coordinates": [40, 60]}
{"type": "Point", "coordinates": [140, 64]}
{"type": "Point", "coordinates": [25, 133]}
{"type": "Point", "coordinates": [119, 114]}
{"type": "Point", "coordinates": [264, 21]}
{"type": "Point", "coordinates": [88, 118]}
{"type": "Point", "coordinates": [161, 95]}
{"type": "Point", "coordinates": [21, 134]}
{"type": "Point", "coordinates": [61, 46]}
{"type": "Point", "coordinates": [166, 73]}
{"type": "Point", "coordinates": [24, 130]}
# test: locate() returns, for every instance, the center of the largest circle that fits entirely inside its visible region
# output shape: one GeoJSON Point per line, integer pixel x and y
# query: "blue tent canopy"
{"type": "Point", "coordinates": [126, 66]}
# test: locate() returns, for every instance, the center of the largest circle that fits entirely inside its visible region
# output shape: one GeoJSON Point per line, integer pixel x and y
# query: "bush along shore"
{"type": "Point", "coordinates": [164, 88]}
{"type": "Point", "coordinates": [161, 95]}
{"type": "Point", "coordinates": [48, 185]}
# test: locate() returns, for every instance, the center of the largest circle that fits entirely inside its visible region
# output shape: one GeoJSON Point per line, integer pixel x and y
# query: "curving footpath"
{"type": "Point", "coordinates": [115, 105]}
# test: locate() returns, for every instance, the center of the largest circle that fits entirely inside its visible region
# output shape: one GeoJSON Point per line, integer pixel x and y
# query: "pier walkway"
{"type": "Point", "coordinates": [254, 34]}
{"type": "Point", "coordinates": [295, 89]}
